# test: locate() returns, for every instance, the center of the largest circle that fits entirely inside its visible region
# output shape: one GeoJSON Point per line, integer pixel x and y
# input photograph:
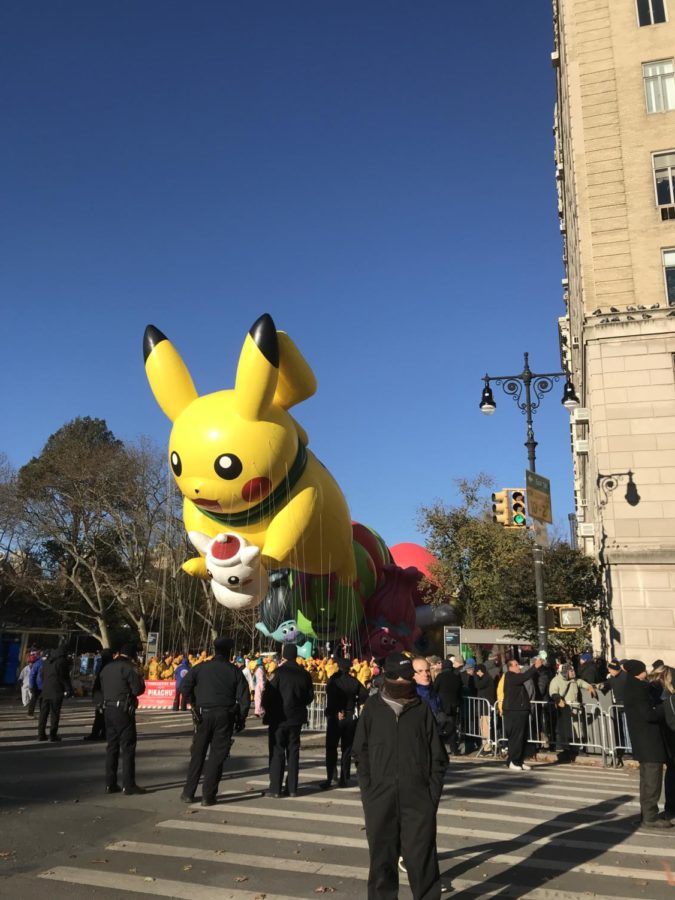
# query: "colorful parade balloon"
{"type": "Point", "coordinates": [258, 503]}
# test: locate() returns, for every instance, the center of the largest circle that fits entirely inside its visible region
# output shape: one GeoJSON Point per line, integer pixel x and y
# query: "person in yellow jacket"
{"type": "Point", "coordinates": [365, 673]}
{"type": "Point", "coordinates": [167, 667]}
{"type": "Point", "coordinates": [153, 669]}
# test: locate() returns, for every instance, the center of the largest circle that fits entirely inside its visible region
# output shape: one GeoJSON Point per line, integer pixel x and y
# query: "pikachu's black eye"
{"type": "Point", "coordinates": [176, 464]}
{"type": "Point", "coordinates": [228, 466]}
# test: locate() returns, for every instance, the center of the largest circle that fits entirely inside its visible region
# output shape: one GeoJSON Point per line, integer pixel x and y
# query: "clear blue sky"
{"type": "Point", "coordinates": [378, 176]}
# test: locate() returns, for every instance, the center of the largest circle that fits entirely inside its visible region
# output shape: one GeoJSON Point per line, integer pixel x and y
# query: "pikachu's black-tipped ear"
{"type": "Point", "coordinates": [169, 378]}
{"type": "Point", "coordinates": [151, 338]}
{"type": "Point", "coordinates": [297, 382]}
{"type": "Point", "coordinates": [258, 369]}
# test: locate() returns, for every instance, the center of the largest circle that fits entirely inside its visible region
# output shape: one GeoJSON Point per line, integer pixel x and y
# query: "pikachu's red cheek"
{"type": "Point", "coordinates": [256, 489]}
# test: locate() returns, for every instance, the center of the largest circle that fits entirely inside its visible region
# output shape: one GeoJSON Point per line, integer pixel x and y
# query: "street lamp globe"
{"type": "Point", "coordinates": [569, 399]}
{"type": "Point", "coordinates": [487, 403]}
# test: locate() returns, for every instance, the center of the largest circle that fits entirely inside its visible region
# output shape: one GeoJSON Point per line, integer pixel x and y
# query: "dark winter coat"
{"type": "Point", "coordinates": [56, 675]}
{"type": "Point", "coordinates": [516, 696]}
{"type": "Point", "coordinates": [486, 688]}
{"type": "Point", "coordinates": [542, 682]}
{"type": "Point", "coordinates": [287, 695]}
{"type": "Point", "coordinates": [97, 691]}
{"type": "Point", "coordinates": [448, 689]}
{"type": "Point", "coordinates": [588, 671]}
{"type": "Point", "coordinates": [344, 694]}
{"type": "Point", "coordinates": [398, 753]}
{"type": "Point", "coordinates": [121, 681]}
{"type": "Point", "coordinates": [217, 684]}
{"type": "Point", "coordinates": [468, 685]}
{"type": "Point", "coordinates": [645, 719]}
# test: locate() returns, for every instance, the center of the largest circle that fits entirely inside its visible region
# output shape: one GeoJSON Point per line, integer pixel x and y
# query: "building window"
{"type": "Point", "coordinates": [669, 272]}
{"type": "Point", "coordinates": [651, 12]}
{"type": "Point", "coordinates": [659, 85]}
{"type": "Point", "coordinates": [664, 178]}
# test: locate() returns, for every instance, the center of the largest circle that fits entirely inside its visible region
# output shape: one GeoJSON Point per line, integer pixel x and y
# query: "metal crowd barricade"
{"type": "Point", "coordinates": [476, 723]}
{"type": "Point", "coordinates": [316, 719]}
{"type": "Point", "coordinates": [594, 730]}
{"type": "Point", "coordinates": [542, 723]}
{"type": "Point", "coordinates": [617, 733]}
{"type": "Point", "coordinates": [588, 728]}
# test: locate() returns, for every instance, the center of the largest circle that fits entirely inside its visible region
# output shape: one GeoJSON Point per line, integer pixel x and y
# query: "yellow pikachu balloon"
{"type": "Point", "coordinates": [241, 460]}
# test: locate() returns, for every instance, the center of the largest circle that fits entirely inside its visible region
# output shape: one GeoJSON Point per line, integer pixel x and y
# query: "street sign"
{"type": "Point", "coordinates": [452, 640]}
{"type": "Point", "coordinates": [538, 490]}
{"type": "Point", "coordinates": [153, 640]}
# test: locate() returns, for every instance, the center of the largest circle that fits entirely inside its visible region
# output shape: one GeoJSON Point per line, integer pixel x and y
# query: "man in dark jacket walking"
{"type": "Point", "coordinates": [344, 695]}
{"type": "Point", "coordinates": [516, 711]}
{"type": "Point", "coordinates": [645, 718]}
{"type": "Point", "coordinates": [285, 701]}
{"type": "Point", "coordinates": [55, 686]}
{"type": "Point", "coordinates": [400, 762]}
{"type": "Point", "coordinates": [220, 701]}
{"type": "Point", "coordinates": [121, 685]}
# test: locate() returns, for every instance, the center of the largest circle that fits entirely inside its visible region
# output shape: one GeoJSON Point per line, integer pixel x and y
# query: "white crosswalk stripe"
{"type": "Point", "coordinates": [564, 823]}
{"type": "Point", "coordinates": [17, 729]}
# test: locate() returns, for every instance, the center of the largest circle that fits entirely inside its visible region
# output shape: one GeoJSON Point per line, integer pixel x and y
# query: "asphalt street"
{"type": "Point", "coordinates": [555, 833]}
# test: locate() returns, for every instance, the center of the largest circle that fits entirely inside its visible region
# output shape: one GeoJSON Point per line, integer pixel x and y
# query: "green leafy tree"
{"type": "Point", "coordinates": [487, 570]}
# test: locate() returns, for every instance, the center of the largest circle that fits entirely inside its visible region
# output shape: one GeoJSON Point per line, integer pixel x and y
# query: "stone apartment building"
{"type": "Point", "coordinates": [614, 129]}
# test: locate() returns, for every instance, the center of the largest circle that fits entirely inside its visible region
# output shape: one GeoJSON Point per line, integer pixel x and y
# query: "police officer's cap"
{"type": "Point", "coordinates": [223, 646]}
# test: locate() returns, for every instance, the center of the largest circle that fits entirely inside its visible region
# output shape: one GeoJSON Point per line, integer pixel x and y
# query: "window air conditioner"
{"type": "Point", "coordinates": [581, 446]}
{"type": "Point", "coordinates": [586, 529]}
{"type": "Point", "coordinates": [581, 415]}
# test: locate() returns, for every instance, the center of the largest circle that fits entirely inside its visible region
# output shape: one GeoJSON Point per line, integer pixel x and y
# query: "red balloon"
{"type": "Point", "coordinates": [406, 555]}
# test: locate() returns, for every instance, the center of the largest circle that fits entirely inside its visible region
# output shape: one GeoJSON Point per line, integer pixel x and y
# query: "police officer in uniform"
{"type": "Point", "coordinates": [220, 699]}
{"type": "Point", "coordinates": [121, 684]}
{"type": "Point", "coordinates": [285, 701]}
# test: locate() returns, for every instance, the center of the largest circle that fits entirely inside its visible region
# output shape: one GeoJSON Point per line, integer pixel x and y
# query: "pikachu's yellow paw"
{"type": "Point", "coordinates": [195, 567]}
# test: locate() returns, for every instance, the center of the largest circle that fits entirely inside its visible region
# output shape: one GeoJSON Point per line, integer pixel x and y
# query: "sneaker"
{"type": "Point", "coordinates": [187, 798]}
{"type": "Point", "coordinates": [401, 866]}
{"type": "Point", "coordinates": [514, 768]}
{"type": "Point", "coordinates": [526, 768]}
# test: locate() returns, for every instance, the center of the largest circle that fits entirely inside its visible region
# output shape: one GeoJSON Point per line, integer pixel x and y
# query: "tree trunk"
{"type": "Point", "coordinates": [105, 638]}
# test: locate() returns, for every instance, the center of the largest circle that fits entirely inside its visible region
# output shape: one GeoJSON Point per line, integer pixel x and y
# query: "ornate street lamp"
{"type": "Point", "coordinates": [527, 390]}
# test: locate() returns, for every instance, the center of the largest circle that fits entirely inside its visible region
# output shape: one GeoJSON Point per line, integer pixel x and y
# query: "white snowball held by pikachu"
{"type": "Point", "coordinates": [238, 578]}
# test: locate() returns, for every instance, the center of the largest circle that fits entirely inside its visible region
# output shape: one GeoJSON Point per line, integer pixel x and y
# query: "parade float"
{"type": "Point", "coordinates": [270, 523]}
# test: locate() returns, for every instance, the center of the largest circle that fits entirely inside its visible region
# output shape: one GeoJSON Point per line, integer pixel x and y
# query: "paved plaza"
{"type": "Point", "coordinates": [555, 833]}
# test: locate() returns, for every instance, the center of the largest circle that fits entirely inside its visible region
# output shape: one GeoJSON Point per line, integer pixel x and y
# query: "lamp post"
{"type": "Point", "coordinates": [528, 389]}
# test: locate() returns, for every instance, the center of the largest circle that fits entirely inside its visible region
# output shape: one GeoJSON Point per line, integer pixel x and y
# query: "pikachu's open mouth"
{"type": "Point", "coordinates": [208, 504]}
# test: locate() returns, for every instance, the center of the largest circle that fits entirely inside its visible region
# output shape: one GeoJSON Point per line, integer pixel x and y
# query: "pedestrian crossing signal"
{"type": "Point", "coordinates": [564, 618]}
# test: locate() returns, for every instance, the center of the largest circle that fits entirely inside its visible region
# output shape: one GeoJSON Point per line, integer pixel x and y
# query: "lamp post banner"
{"type": "Point", "coordinates": [538, 490]}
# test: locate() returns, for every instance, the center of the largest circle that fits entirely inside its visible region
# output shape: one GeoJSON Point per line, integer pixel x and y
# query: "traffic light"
{"type": "Point", "coordinates": [501, 511]}
{"type": "Point", "coordinates": [517, 505]}
{"type": "Point", "coordinates": [564, 617]}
